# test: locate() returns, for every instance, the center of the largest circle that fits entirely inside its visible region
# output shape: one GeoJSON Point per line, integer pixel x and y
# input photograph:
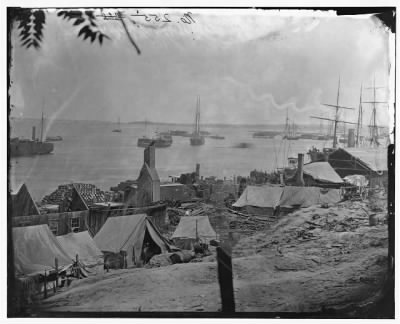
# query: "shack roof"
{"type": "Point", "coordinates": [151, 171]}
{"type": "Point", "coordinates": [109, 204]}
{"type": "Point", "coordinates": [372, 159]}
{"type": "Point", "coordinates": [322, 171]}
{"type": "Point", "coordinates": [375, 159]}
{"type": "Point", "coordinates": [23, 203]}
{"type": "Point", "coordinates": [260, 196]}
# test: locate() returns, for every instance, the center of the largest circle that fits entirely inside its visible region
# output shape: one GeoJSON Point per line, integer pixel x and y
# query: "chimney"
{"type": "Point", "coordinates": [197, 170]}
{"type": "Point", "coordinates": [299, 174]}
{"type": "Point", "coordinates": [150, 156]}
{"type": "Point", "coordinates": [351, 138]}
{"type": "Point", "coordinates": [33, 133]}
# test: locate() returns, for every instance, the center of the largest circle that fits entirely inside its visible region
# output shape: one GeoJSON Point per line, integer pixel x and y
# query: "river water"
{"type": "Point", "coordinates": [90, 152]}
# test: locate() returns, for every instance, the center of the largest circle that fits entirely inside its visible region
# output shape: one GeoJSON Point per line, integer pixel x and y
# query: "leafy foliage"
{"type": "Point", "coordinates": [32, 21]}
{"type": "Point", "coordinates": [90, 30]}
{"type": "Point", "coordinates": [31, 24]}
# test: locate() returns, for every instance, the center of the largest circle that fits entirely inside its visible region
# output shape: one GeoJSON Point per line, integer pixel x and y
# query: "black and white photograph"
{"type": "Point", "coordinates": [200, 162]}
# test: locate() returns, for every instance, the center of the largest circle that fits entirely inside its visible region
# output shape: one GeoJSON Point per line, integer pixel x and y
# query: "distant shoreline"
{"type": "Point", "coordinates": [280, 125]}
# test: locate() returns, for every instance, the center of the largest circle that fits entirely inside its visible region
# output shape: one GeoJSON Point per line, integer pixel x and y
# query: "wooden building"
{"type": "Point", "coordinates": [22, 203]}
{"type": "Point", "coordinates": [372, 163]}
{"type": "Point", "coordinates": [59, 223]}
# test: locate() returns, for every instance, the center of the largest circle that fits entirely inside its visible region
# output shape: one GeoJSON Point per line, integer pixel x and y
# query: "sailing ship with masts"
{"type": "Point", "coordinates": [317, 155]}
{"type": "Point", "coordinates": [197, 138]}
{"type": "Point", "coordinates": [359, 139]}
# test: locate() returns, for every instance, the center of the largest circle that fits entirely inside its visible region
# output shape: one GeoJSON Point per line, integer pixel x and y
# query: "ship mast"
{"type": "Point", "coordinates": [198, 117]}
{"type": "Point", "coordinates": [336, 116]}
{"type": "Point", "coordinates": [359, 120]}
{"type": "Point", "coordinates": [42, 123]}
{"type": "Point", "coordinates": [373, 126]}
{"type": "Point", "coordinates": [336, 121]}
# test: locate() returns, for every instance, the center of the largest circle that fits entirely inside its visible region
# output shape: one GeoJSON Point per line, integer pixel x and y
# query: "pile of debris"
{"type": "Point", "coordinates": [335, 229]}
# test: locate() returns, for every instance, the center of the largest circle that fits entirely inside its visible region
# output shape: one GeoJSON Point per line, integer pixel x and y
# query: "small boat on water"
{"type": "Point", "coordinates": [217, 137]}
{"type": "Point", "coordinates": [197, 137]}
{"type": "Point", "coordinates": [118, 130]}
{"type": "Point", "coordinates": [243, 145]}
{"type": "Point", "coordinates": [179, 133]}
{"type": "Point", "coordinates": [53, 138]}
{"type": "Point", "coordinates": [265, 134]}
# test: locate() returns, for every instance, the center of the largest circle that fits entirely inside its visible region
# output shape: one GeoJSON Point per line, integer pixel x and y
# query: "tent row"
{"type": "Point", "coordinates": [132, 238]}
{"type": "Point", "coordinates": [267, 200]}
{"type": "Point", "coordinates": [36, 248]}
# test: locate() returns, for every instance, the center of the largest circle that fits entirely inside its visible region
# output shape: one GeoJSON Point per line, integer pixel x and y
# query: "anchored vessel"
{"type": "Point", "coordinates": [26, 147]}
{"type": "Point", "coordinates": [197, 138]}
{"type": "Point", "coordinates": [118, 130]}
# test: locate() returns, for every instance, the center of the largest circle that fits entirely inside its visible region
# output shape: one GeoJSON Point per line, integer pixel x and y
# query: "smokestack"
{"type": "Point", "coordinates": [351, 138]}
{"type": "Point", "coordinates": [198, 170]}
{"type": "Point", "coordinates": [150, 156]}
{"type": "Point", "coordinates": [33, 133]}
{"type": "Point", "coordinates": [300, 163]}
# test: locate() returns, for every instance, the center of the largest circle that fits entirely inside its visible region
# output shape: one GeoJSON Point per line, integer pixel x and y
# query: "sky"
{"type": "Point", "coordinates": [248, 67]}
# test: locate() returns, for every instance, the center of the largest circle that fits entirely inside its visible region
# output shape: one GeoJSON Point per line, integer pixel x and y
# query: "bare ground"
{"type": "Point", "coordinates": [311, 260]}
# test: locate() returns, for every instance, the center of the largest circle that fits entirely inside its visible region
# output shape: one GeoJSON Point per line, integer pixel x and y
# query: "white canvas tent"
{"type": "Point", "coordinates": [35, 250]}
{"type": "Point", "coordinates": [83, 245]}
{"type": "Point", "coordinates": [261, 200]}
{"type": "Point", "coordinates": [127, 234]}
{"type": "Point", "coordinates": [191, 228]}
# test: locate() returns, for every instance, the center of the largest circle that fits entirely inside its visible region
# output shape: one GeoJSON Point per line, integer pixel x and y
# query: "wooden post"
{"type": "Point", "coordinates": [77, 266]}
{"type": "Point", "coordinates": [196, 231]}
{"type": "Point", "coordinates": [45, 286]}
{"type": "Point", "coordinates": [225, 277]}
{"type": "Point", "coordinates": [56, 265]}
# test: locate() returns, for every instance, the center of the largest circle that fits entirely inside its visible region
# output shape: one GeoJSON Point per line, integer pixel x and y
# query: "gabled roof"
{"type": "Point", "coordinates": [23, 203]}
{"type": "Point", "coordinates": [322, 171]}
{"type": "Point", "coordinates": [375, 159]}
{"type": "Point", "coordinates": [260, 196]}
{"type": "Point", "coordinates": [35, 250]}
{"type": "Point", "coordinates": [371, 159]}
{"type": "Point", "coordinates": [152, 172]}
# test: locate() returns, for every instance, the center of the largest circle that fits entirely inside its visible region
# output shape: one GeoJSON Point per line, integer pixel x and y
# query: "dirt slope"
{"type": "Point", "coordinates": [315, 258]}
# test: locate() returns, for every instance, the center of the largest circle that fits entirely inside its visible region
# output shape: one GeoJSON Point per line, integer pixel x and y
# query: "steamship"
{"type": "Point", "coordinates": [27, 147]}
